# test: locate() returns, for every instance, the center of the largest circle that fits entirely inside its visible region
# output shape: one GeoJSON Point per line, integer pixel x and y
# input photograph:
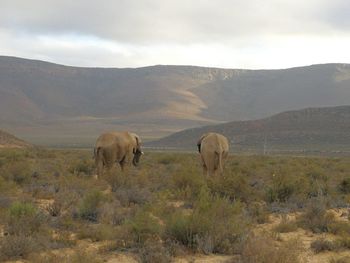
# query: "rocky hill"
{"type": "Point", "coordinates": [308, 129]}
{"type": "Point", "coordinates": [45, 100]}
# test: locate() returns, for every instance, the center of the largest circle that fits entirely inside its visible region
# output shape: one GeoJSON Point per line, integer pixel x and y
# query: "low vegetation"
{"type": "Point", "coordinates": [166, 208]}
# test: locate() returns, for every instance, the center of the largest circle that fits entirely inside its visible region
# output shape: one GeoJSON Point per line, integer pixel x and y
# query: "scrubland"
{"type": "Point", "coordinates": [264, 209]}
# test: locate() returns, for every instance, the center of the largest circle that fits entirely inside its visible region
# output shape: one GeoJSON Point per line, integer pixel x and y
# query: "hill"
{"type": "Point", "coordinates": [10, 141]}
{"type": "Point", "coordinates": [41, 100]}
{"type": "Point", "coordinates": [308, 129]}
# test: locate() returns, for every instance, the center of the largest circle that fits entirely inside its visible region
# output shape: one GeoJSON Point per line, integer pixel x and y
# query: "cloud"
{"type": "Point", "coordinates": [226, 33]}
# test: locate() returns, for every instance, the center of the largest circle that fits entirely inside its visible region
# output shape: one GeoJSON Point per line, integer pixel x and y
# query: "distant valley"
{"type": "Point", "coordinates": [52, 104]}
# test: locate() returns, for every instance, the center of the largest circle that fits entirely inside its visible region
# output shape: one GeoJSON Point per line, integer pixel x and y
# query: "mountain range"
{"type": "Point", "coordinates": [54, 104]}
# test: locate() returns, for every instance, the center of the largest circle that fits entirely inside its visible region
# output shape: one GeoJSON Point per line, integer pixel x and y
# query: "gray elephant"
{"type": "Point", "coordinates": [117, 147]}
{"type": "Point", "coordinates": [213, 149]}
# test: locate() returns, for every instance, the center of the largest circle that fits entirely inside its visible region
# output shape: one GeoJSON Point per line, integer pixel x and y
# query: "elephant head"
{"type": "Point", "coordinates": [136, 149]}
{"type": "Point", "coordinates": [199, 143]}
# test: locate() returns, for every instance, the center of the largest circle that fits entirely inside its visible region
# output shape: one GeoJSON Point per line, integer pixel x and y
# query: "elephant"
{"type": "Point", "coordinates": [213, 149]}
{"type": "Point", "coordinates": [117, 147]}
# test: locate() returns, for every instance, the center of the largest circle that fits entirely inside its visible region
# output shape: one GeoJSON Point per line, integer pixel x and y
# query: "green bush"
{"type": "Point", "coordinates": [262, 249]}
{"type": "Point", "coordinates": [97, 232]}
{"type": "Point", "coordinates": [343, 242]}
{"type": "Point", "coordinates": [317, 183]}
{"type": "Point", "coordinates": [82, 167]}
{"type": "Point", "coordinates": [345, 259]}
{"type": "Point", "coordinates": [258, 212]}
{"type": "Point", "coordinates": [88, 207]}
{"type": "Point", "coordinates": [187, 181]}
{"type": "Point", "coordinates": [7, 186]}
{"type": "Point", "coordinates": [178, 227]}
{"type": "Point", "coordinates": [153, 251]}
{"type": "Point", "coordinates": [233, 186]}
{"type": "Point", "coordinates": [22, 210]}
{"type": "Point", "coordinates": [344, 186]}
{"type": "Point", "coordinates": [316, 218]}
{"type": "Point", "coordinates": [143, 226]}
{"type": "Point", "coordinates": [16, 246]}
{"type": "Point", "coordinates": [286, 225]}
{"type": "Point", "coordinates": [23, 219]}
{"type": "Point", "coordinates": [321, 245]}
{"type": "Point", "coordinates": [216, 225]}
{"type": "Point", "coordinates": [281, 189]}
{"type": "Point", "coordinates": [79, 256]}
{"type": "Point", "coordinates": [339, 228]}
{"type": "Point", "coordinates": [133, 195]}
{"type": "Point", "coordinates": [19, 172]}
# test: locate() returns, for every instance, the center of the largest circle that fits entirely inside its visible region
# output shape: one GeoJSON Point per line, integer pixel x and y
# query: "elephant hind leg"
{"type": "Point", "coordinates": [205, 170]}
{"type": "Point", "coordinates": [204, 166]}
{"type": "Point", "coordinates": [99, 168]}
{"type": "Point", "coordinates": [99, 161]}
{"type": "Point", "coordinates": [210, 163]}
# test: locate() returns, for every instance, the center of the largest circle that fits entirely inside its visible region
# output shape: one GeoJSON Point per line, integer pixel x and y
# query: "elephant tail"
{"type": "Point", "coordinates": [98, 154]}
{"type": "Point", "coordinates": [218, 161]}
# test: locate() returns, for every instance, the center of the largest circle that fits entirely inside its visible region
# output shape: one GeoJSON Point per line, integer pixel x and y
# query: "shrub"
{"type": "Point", "coordinates": [321, 245]}
{"type": "Point", "coordinates": [75, 257]}
{"type": "Point", "coordinates": [343, 242]}
{"type": "Point", "coordinates": [262, 249]}
{"type": "Point", "coordinates": [143, 226]}
{"type": "Point", "coordinates": [258, 211]}
{"type": "Point", "coordinates": [55, 208]}
{"type": "Point", "coordinates": [113, 213]}
{"type": "Point", "coordinates": [345, 259]}
{"type": "Point", "coordinates": [214, 226]}
{"type": "Point", "coordinates": [23, 219]}
{"type": "Point", "coordinates": [233, 186]}
{"type": "Point", "coordinates": [316, 218]}
{"type": "Point", "coordinates": [82, 167]}
{"type": "Point", "coordinates": [7, 186]}
{"type": "Point", "coordinates": [88, 208]}
{"type": "Point", "coordinates": [178, 227]}
{"type": "Point", "coordinates": [18, 210]}
{"type": "Point", "coordinates": [316, 184]}
{"type": "Point", "coordinates": [281, 189]}
{"type": "Point", "coordinates": [19, 172]}
{"type": "Point", "coordinates": [344, 186]}
{"type": "Point", "coordinates": [62, 239]}
{"type": "Point", "coordinates": [340, 228]}
{"type": "Point", "coordinates": [133, 195]}
{"type": "Point", "coordinates": [188, 182]}
{"type": "Point", "coordinates": [286, 225]}
{"type": "Point", "coordinates": [14, 246]}
{"type": "Point", "coordinates": [167, 159]}
{"type": "Point", "coordinates": [97, 232]}
{"type": "Point", "coordinates": [153, 251]}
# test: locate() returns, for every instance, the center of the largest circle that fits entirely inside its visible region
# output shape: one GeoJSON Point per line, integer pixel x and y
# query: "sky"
{"type": "Point", "coordinates": [250, 34]}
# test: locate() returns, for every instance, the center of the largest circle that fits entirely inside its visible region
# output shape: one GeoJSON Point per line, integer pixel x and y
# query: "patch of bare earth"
{"type": "Point", "coordinates": [306, 237]}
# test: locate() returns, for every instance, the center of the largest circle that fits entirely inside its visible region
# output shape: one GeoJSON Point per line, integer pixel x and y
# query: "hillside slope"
{"type": "Point", "coordinates": [10, 141]}
{"type": "Point", "coordinates": [311, 129]}
{"type": "Point", "coordinates": [40, 99]}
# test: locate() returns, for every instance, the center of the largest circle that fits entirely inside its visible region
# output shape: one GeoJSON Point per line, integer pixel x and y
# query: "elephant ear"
{"type": "Point", "coordinates": [138, 142]}
{"type": "Point", "coordinates": [199, 143]}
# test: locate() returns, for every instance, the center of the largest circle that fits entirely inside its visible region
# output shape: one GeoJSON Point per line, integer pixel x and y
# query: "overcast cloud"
{"type": "Point", "coordinates": [222, 33]}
